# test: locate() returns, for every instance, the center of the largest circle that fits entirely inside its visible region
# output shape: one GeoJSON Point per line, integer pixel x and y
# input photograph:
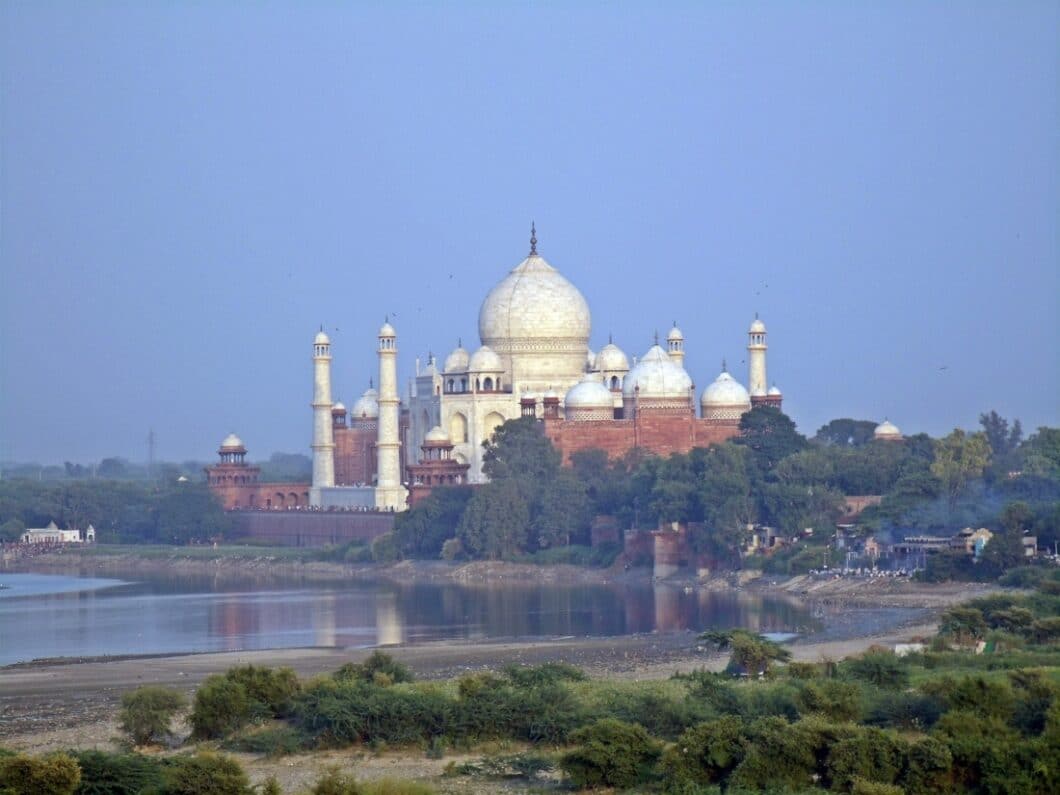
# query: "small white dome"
{"type": "Point", "coordinates": [774, 391]}
{"type": "Point", "coordinates": [456, 362]}
{"type": "Point", "coordinates": [725, 391]}
{"type": "Point", "coordinates": [675, 335]}
{"type": "Point", "coordinates": [366, 406]}
{"type": "Point", "coordinates": [589, 393]}
{"type": "Point", "coordinates": [551, 393]}
{"type": "Point", "coordinates": [430, 369]}
{"type": "Point", "coordinates": [657, 376]}
{"type": "Point", "coordinates": [338, 408]}
{"type": "Point", "coordinates": [757, 327]}
{"type": "Point", "coordinates": [436, 434]}
{"type": "Point", "coordinates": [484, 360]}
{"type": "Point", "coordinates": [887, 430]}
{"type": "Point", "coordinates": [611, 358]}
{"type": "Point", "coordinates": [386, 330]}
{"type": "Point", "coordinates": [321, 339]}
{"type": "Point", "coordinates": [231, 441]}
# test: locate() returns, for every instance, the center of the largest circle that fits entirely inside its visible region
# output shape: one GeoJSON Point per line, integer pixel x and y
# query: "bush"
{"type": "Point", "coordinates": [545, 674]}
{"type": "Point", "coordinates": [779, 754]}
{"type": "Point", "coordinates": [865, 754]}
{"type": "Point", "coordinates": [273, 689]}
{"type": "Point", "coordinates": [205, 773]}
{"type": "Point", "coordinates": [51, 774]}
{"type": "Point", "coordinates": [991, 699]}
{"type": "Point", "coordinates": [914, 711]}
{"type": "Point", "coordinates": [665, 711]}
{"type": "Point", "coordinates": [377, 663]}
{"type": "Point", "coordinates": [705, 754]}
{"type": "Point", "coordinates": [610, 753]}
{"type": "Point", "coordinates": [928, 764]}
{"type": "Point", "coordinates": [881, 668]}
{"type": "Point", "coordinates": [385, 549]}
{"type": "Point", "coordinates": [221, 706]}
{"type": "Point", "coordinates": [832, 699]}
{"type": "Point", "coordinates": [1023, 577]}
{"type": "Point", "coordinates": [276, 741]}
{"type": "Point", "coordinates": [860, 786]}
{"type": "Point", "coordinates": [335, 783]}
{"type": "Point", "coordinates": [147, 713]}
{"type": "Point", "coordinates": [117, 774]}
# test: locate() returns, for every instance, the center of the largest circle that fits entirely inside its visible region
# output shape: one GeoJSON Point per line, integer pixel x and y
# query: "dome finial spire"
{"type": "Point", "coordinates": [533, 239]}
{"type": "Point", "coordinates": [724, 366]}
{"type": "Point", "coordinates": [610, 339]}
{"type": "Point", "coordinates": [656, 336]}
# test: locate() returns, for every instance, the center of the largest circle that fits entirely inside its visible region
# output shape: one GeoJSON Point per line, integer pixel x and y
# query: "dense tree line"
{"type": "Point", "coordinates": [121, 511]}
{"type": "Point", "coordinates": [770, 474]}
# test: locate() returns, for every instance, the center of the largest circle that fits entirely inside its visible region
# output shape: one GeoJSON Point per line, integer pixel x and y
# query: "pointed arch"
{"type": "Point", "coordinates": [457, 428]}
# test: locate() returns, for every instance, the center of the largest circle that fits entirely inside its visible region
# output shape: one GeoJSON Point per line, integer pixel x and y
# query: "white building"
{"type": "Point", "coordinates": [53, 535]}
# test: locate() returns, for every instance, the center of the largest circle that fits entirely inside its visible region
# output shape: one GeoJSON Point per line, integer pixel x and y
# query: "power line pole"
{"type": "Point", "coordinates": [151, 454]}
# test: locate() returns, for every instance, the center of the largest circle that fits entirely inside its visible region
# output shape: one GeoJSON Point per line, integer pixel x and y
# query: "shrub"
{"type": "Point", "coordinates": [928, 764]}
{"type": "Point", "coordinates": [51, 774]}
{"type": "Point", "coordinates": [610, 753]}
{"type": "Point", "coordinates": [656, 707]}
{"type": "Point", "coordinates": [116, 774]}
{"type": "Point", "coordinates": [221, 706]}
{"type": "Point", "coordinates": [975, 694]}
{"type": "Point", "coordinates": [882, 668]}
{"type": "Point", "coordinates": [276, 741]}
{"type": "Point", "coordinates": [335, 783]}
{"type": "Point", "coordinates": [147, 713]}
{"type": "Point", "coordinates": [803, 670]}
{"type": "Point", "coordinates": [705, 754]}
{"type": "Point", "coordinates": [452, 549]}
{"type": "Point", "coordinates": [545, 674]}
{"type": "Point", "coordinates": [964, 624]}
{"type": "Point", "coordinates": [835, 700]}
{"type": "Point", "coordinates": [205, 773]}
{"type": "Point", "coordinates": [914, 711]}
{"type": "Point", "coordinates": [866, 754]}
{"type": "Point", "coordinates": [376, 663]}
{"type": "Point", "coordinates": [272, 688]}
{"type": "Point", "coordinates": [386, 549]}
{"type": "Point", "coordinates": [860, 786]}
{"type": "Point", "coordinates": [513, 766]}
{"type": "Point", "coordinates": [779, 754]}
{"type": "Point", "coordinates": [1023, 577]}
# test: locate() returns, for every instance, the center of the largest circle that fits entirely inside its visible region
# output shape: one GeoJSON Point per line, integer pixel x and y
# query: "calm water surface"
{"type": "Point", "coordinates": [66, 616]}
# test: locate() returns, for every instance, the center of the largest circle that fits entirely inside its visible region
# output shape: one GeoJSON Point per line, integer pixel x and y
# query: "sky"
{"type": "Point", "coordinates": [188, 191]}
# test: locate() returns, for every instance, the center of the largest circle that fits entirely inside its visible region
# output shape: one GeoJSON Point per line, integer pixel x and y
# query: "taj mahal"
{"type": "Point", "coordinates": [534, 360]}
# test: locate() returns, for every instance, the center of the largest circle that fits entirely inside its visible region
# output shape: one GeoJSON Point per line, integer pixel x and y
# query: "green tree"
{"type": "Point", "coordinates": [191, 512]}
{"type": "Point", "coordinates": [1041, 454]}
{"type": "Point", "coordinates": [562, 511]}
{"type": "Point", "coordinates": [51, 774]}
{"type": "Point", "coordinates": [147, 712]}
{"type": "Point", "coordinates": [1003, 439]}
{"type": "Point", "coordinates": [519, 450]}
{"type": "Point", "coordinates": [770, 435]}
{"type": "Point", "coordinates": [609, 753]}
{"type": "Point", "coordinates": [846, 433]}
{"type": "Point", "coordinates": [496, 521]}
{"type": "Point", "coordinates": [959, 458]}
{"type": "Point", "coordinates": [751, 653]}
{"type": "Point", "coordinates": [421, 531]}
{"type": "Point", "coordinates": [205, 773]}
{"type": "Point", "coordinates": [964, 624]}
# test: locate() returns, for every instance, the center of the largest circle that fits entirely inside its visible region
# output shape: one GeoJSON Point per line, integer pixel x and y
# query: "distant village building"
{"type": "Point", "coordinates": [53, 535]}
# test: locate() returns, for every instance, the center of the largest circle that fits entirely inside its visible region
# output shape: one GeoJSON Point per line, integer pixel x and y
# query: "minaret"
{"type": "Point", "coordinates": [757, 384]}
{"type": "Point", "coordinates": [675, 345]}
{"type": "Point", "coordinates": [390, 495]}
{"type": "Point", "coordinates": [323, 439]}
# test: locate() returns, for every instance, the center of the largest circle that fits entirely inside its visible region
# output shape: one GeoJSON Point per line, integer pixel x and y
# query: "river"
{"type": "Point", "coordinates": [58, 615]}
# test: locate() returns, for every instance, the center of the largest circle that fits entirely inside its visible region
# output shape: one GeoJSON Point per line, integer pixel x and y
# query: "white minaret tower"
{"type": "Point", "coordinates": [757, 384]}
{"type": "Point", "coordinates": [323, 440]}
{"type": "Point", "coordinates": [675, 345]}
{"type": "Point", "coordinates": [390, 495]}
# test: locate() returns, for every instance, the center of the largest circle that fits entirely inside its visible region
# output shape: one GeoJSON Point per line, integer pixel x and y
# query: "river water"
{"type": "Point", "coordinates": [43, 616]}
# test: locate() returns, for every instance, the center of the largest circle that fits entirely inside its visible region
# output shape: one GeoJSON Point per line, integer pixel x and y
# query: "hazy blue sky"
{"type": "Point", "coordinates": [190, 189]}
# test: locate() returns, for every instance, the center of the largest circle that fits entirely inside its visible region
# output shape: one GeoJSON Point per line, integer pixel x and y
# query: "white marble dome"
{"type": "Point", "coordinates": [231, 442]}
{"type": "Point", "coordinates": [887, 430]}
{"type": "Point", "coordinates": [757, 327]}
{"type": "Point", "coordinates": [658, 377]}
{"type": "Point", "coordinates": [675, 335]}
{"type": "Point", "coordinates": [366, 406]}
{"type": "Point", "coordinates": [386, 330]}
{"type": "Point", "coordinates": [725, 392]}
{"type": "Point", "coordinates": [534, 308]}
{"type": "Point", "coordinates": [338, 408]}
{"type": "Point", "coordinates": [774, 391]}
{"type": "Point", "coordinates": [457, 361]}
{"type": "Point", "coordinates": [611, 358]}
{"type": "Point", "coordinates": [589, 393]}
{"type": "Point", "coordinates": [321, 339]}
{"type": "Point", "coordinates": [484, 360]}
{"type": "Point", "coordinates": [437, 435]}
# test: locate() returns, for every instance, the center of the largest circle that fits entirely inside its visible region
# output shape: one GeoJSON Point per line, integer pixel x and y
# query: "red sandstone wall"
{"type": "Point", "coordinates": [661, 434]}
{"type": "Point", "coordinates": [354, 456]}
{"type": "Point", "coordinates": [311, 528]}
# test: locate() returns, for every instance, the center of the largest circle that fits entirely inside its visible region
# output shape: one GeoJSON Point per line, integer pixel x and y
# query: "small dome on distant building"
{"type": "Point", "coordinates": [611, 358]}
{"type": "Point", "coordinates": [457, 361]}
{"type": "Point", "coordinates": [757, 326]}
{"type": "Point", "coordinates": [436, 435]}
{"type": "Point", "coordinates": [232, 442]}
{"type": "Point", "coordinates": [484, 360]}
{"type": "Point", "coordinates": [589, 399]}
{"type": "Point", "coordinates": [551, 394]}
{"type": "Point", "coordinates": [725, 399]}
{"type": "Point", "coordinates": [386, 330]}
{"type": "Point", "coordinates": [675, 334]}
{"type": "Point", "coordinates": [657, 377]}
{"type": "Point", "coordinates": [774, 391]}
{"type": "Point", "coordinates": [338, 408]}
{"type": "Point", "coordinates": [321, 338]}
{"type": "Point", "coordinates": [366, 406]}
{"type": "Point", "coordinates": [887, 431]}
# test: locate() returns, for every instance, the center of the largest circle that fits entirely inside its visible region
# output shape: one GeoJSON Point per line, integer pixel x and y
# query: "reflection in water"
{"type": "Point", "coordinates": [160, 614]}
